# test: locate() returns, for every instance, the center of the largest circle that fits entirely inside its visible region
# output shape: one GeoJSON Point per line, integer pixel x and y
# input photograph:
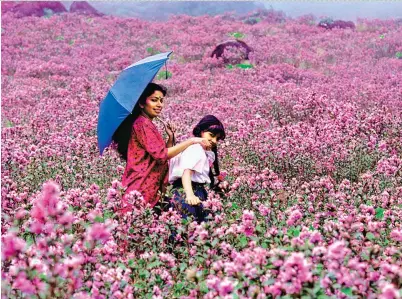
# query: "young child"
{"type": "Point", "coordinates": [191, 170]}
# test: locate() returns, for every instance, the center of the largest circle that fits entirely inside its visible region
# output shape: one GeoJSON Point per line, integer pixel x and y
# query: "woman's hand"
{"type": "Point", "coordinates": [170, 129]}
{"type": "Point", "coordinates": [193, 200]}
{"type": "Point", "coordinates": [205, 143]}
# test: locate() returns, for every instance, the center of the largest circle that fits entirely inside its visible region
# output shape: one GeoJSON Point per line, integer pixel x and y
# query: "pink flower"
{"type": "Point", "coordinates": [315, 237]}
{"type": "Point", "coordinates": [225, 287]}
{"type": "Point", "coordinates": [21, 214]}
{"type": "Point", "coordinates": [294, 272]}
{"type": "Point", "coordinates": [396, 235]}
{"type": "Point", "coordinates": [37, 227]}
{"type": "Point", "coordinates": [388, 291]}
{"type": "Point", "coordinates": [99, 232]}
{"type": "Point", "coordinates": [221, 177]}
{"type": "Point", "coordinates": [12, 246]}
{"type": "Point", "coordinates": [23, 284]}
{"type": "Point", "coordinates": [337, 251]}
{"type": "Point", "coordinates": [38, 212]}
{"type": "Point", "coordinates": [247, 226]}
{"type": "Point", "coordinates": [49, 199]}
{"type": "Point", "coordinates": [66, 219]}
{"type": "Point", "coordinates": [294, 218]}
{"type": "Point", "coordinates": [264, 210]}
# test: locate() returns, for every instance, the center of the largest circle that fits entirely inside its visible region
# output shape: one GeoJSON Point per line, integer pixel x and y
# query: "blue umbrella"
{"type": "Point", "coordinates": [124, 94]}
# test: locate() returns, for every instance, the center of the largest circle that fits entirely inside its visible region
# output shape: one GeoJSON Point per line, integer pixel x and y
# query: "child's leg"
{"type": "Point", "coordinates": [185, 209]}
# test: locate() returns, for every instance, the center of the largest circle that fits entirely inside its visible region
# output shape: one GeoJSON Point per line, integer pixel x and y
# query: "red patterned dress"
{"type": "Point", "coordinates": [147, 161]}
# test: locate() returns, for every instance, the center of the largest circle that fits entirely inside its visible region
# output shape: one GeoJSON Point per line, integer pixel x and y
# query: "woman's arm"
{"type": "Point", "coordinates": [191, 199]}
{"type": "Point", "coordinates": [178, 148]}
{"type": "Point", "coordinates": [169, 143]}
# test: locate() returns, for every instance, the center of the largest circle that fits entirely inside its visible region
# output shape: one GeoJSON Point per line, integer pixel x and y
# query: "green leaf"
{"type": "Point", "coordinates": [121, 265]}
{"type": "Point", "coordinates": [243, 241]}
{"type": "Point", "coordinates": [245, 66]}
{"type": "Point", "coordinates": [144, 274]}
{"type": "Point", "coordinates": [183, 266]}
{"type": "Point", "coordinates": [319, 267]}
{"type": "Point", "coordinates": [379, 213]}
{"type": "Point", "coordinates": [123, 283]}
{"type": "Point", "coordinates": [162, 75]}
{"type": "Point", "coordinates": [365, 257]}
{"type": "Point", "coordinates": [67, 250]}
{"type": "Point", "coordinates": [140, 285]}
{"type": "Point", "coordinates": [179, 286]}
{"type": "Point", "coordinates": [98, 219]}
{"type": "Point", "coordinates": [370, 236]}
{"type": "Point", "coordinates": [131, 263]}
{"type": "Point", "coordinates": [347, 291]}
{"type": "Point", "coordinates": [203, 287]}
{"type": "Point", "coordinates": [293, 231]}
{"type": "Point", "coordinates": [108, 214]}
{"type": "Point", "coordinates": [237, 34]}
{"type": "Point", "coordinates": [29, 240]}
{"type": "Point", "coordinates": [229, 66]}
{"type": "Point", "coordinates": [259, 229]}
{"type": "Point", "coordinates": [154, 264]}
{"type": "Point", "coordinates": [87, 245]}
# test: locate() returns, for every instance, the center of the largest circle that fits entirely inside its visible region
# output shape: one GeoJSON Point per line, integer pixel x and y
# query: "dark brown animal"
{"type": "Point", "coordinates": [219, 49]}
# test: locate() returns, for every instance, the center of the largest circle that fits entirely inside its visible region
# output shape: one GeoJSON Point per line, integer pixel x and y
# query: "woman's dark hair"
{"type": "Point", "coordinates": [213, 125]}
{"type": "Point", "coordinates": [123, 133]}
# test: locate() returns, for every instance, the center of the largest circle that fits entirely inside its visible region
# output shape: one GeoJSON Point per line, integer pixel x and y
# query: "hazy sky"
{"type": "Point", "coordinates": [346, 10]}
{"type": "Point", "coordinates": [349, 10]}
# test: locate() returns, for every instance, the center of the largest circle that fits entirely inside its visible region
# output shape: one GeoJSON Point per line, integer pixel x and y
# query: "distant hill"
{"type": "Point", "coordinates": [153, 10]}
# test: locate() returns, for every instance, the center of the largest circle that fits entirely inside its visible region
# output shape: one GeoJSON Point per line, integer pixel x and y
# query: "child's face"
{"type": "Point", "coordinates": [211, 137]}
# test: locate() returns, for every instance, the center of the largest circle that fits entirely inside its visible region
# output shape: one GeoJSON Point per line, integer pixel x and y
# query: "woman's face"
{"type": "Point", "coordinates": [153, 105]}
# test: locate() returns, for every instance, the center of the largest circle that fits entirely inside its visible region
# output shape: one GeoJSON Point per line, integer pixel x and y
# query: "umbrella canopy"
{"type": "Point", "coordinates": [124, 94]}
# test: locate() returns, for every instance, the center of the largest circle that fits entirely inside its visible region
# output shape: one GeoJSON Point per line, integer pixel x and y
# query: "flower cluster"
{"type": "Point", "coordinates": [310, 204]}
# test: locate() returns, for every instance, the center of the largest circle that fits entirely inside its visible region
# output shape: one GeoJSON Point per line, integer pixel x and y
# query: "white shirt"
{"type": "Point", "coordinates": [195, 158]}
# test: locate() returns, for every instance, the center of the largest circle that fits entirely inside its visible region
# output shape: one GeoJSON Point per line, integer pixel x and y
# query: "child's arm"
{"type": "Point", "coordinates": [191, 199]}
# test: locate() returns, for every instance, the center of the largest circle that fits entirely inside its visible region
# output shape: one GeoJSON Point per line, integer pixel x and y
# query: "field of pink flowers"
{"type": "Point", "coordinates": [313, 157]}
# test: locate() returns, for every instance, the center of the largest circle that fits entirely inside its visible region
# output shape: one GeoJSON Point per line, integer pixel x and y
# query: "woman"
{"type": "Point", "coordinates": [142, 146]}
{"type": "Point", "coordinates": [190, 171]}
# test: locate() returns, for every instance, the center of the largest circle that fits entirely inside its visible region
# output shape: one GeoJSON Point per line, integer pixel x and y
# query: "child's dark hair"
{"type": "Point", "coordinates": [213, 125]}
{"type": "Point", "coordinates": [123, 133]}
